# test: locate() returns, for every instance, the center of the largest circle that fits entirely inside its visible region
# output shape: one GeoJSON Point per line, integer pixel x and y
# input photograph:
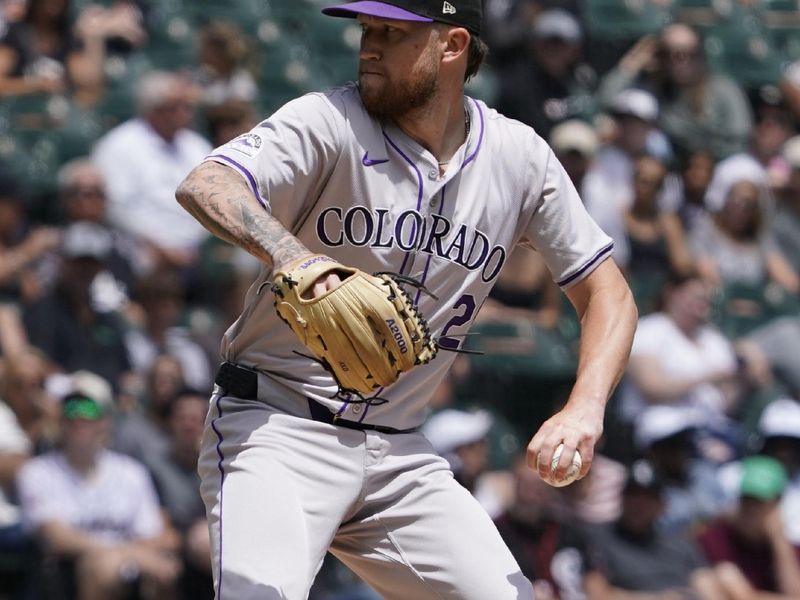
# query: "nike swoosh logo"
{"type": "Point", "coordinates": [368, 162]}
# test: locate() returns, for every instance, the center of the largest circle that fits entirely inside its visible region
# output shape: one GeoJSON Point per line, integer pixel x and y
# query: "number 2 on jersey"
{"type": "Point", "coordinates": [468, 302]}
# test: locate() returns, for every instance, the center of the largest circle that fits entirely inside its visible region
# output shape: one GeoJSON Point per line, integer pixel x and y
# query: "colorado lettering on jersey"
{"type": "Point", "coordinates": [434, 234]}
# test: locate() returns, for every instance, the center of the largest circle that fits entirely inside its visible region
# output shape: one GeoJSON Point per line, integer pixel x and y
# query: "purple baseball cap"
{"type": "Point", "coordinates": [461, 13]}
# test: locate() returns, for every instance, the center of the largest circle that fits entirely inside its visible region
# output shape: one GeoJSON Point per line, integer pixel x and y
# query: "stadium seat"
{"type": "Point", "coordinates": [613, 19]}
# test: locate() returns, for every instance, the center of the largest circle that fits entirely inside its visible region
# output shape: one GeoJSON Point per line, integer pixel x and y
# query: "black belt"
{"type": "Point", "coordinates": [242, 382]}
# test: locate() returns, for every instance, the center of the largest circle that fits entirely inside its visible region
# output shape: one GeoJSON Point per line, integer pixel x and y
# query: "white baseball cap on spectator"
{"type": "Point", "coordinates": [449, 429]}
{"type": "Point", "coordinates": [781, 418]}
{"type": "Point", "coordinates": [729, 172]}
{"type": "Point", "coordinates": [660, 422]}
{"type": "Point", "coordinates": [574, 135]}
{"type": "Point", "coordinates": [637, 103]}
{"type": "Point", "coordinates": [557, 23]}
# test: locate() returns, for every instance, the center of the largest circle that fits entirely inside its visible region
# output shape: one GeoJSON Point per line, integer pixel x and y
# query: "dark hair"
{"type": "Point", "coordinates": [476, 54]}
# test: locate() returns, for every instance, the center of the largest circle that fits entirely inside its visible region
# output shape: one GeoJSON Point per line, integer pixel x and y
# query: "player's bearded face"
{"type": "Point", "coordinates": [391, 95]}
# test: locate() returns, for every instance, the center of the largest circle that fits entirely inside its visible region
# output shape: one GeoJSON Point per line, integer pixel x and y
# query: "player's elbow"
{"type": "Point", "coordinates": [189, 189]}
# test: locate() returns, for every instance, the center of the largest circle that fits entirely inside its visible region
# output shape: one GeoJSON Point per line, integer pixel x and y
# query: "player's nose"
{"type": "Point", "coordinates": [369, 49]}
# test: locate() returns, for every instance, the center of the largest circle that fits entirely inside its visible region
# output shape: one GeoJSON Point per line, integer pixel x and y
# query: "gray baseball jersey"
{"type": "Point", "coordinates": [361, 191]}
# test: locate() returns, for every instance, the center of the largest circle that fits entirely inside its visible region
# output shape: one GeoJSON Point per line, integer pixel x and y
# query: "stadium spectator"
{"type": "Point", "coordinates": [28, 424]}
{"type": "Point", "coordinates": [82, 191]}
{"type": "Point", "coordinates": [24, 247]}
{"type": "Point", "coordinates": [161, 297]}
{"type": "Point", "coordinates": [608, 185]}
{"type": "Point", "coordinates": [778, 435]}
{"type": "Point", "coordinates": [461, 438]}
{"type": "Point", "coordinates": [634, 558]}
{"type": "Point", "coordinates": [656, 239]}
{"type": "Point", "coordinates": [96, 512]}
{"type": "Point", "coordinates": [178, 487]}
{"type": "Point", "coordinates": [735, 245]}
{"type": "Point", "coordinates": [550, 550]}
{"type": "Point", "coordinates": [223, 58]}
{"type": "Point", "coordinates": [45, 54]}
{"type": "Point", "coordinates": [670, 439]}
{"type": "Point", "coordinates": [548, 83]}
{"type": "Point", "coordinates": [575, 144]}
{"type": "Point", "coordinates": [749, 551]}
{"type": "Point", "coordinates": [696, 173]}
{"type": "Point", "coordinates": [700, 110]}
{"type": "Point", "coordinates": [678, 358]}
{"type": "Point", "coordinates": [141, 184]}
{"type": "Point", "coordinates": [66, 323]}
{"type": "Point", "coordinates": [786, 224]}
{"type": "Point", "coordinates": [142, 432]}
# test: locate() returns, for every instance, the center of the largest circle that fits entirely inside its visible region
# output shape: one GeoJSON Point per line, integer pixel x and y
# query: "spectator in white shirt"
{"type": "Point", "coordinates": [144, 159]}
{"type": "Point", "coordinates": [97, 511]}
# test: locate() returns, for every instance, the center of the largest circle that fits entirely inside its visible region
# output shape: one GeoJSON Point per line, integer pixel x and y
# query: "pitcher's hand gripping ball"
{"type": "Point", "coordinates": [572, 472]}
{"type": "Point", "coordinates": [365, 332]}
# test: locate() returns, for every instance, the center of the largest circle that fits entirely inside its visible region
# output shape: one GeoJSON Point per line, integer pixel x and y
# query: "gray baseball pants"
{"type": "Point", "coordinates": [280, 490]}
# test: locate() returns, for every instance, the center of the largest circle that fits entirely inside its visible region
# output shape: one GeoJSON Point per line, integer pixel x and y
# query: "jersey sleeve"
{"type": "Point", "coordinates": [37, 497]}
{"type": "Point", "coordinates": [287, 159]}
{"type": "Point", "coordinates": [560, 229]}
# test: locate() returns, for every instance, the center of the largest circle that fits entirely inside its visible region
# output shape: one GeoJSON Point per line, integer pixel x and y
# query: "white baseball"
{"type": "Point", "coordinates": [572, 472]}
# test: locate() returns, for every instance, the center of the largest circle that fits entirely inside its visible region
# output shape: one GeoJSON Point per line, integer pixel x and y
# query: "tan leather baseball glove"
{"type": "Point", "coordinates": [366, 331]}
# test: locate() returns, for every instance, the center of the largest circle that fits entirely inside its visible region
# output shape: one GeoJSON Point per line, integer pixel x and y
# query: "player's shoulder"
{"type": "Point", "coordinates": [334, 103]}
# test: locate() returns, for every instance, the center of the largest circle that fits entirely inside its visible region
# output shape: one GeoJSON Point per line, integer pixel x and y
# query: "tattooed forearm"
{"type": "Point", "coordinates": [221, 201]}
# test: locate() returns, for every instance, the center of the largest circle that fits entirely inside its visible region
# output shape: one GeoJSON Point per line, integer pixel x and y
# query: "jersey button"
{"type": "Point", "coordinates": [432, 203]}
{"type": "Point", "coordinates": [433, 174]}
{"type": "Point", "coordinates": [356, 408]}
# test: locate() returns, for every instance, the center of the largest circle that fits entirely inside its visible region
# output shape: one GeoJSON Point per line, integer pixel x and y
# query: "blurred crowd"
{"type": "Point", "coordinates": [679, 124]}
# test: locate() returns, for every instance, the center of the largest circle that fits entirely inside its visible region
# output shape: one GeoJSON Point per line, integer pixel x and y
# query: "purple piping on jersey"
{"type": "Point", "coordinates": [419, 194]}
{"type": "Point", "coordinates": [472, 156]}
{"type": "Point", "coordinates": [221, 481]}
{"type": "Point", "coordinates": [600, 253]}
{"type": "Point", "coordinates": [247, 174]}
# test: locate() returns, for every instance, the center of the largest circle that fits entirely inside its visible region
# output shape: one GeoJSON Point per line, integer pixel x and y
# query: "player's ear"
{"type": "Point", "coordinates": [456, 43]}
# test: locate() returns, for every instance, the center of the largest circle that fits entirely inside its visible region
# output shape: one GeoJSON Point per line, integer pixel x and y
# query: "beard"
{"type": "Point", "coordinates": [386, 98]}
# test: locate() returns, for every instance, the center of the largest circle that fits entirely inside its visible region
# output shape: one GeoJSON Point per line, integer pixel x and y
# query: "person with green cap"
{"type": "Point", "coordinates": [750, 553]}
{"type": "Point", "coordinates": [95, 512]}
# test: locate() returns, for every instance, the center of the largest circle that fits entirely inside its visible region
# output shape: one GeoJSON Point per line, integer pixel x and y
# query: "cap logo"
{"type": "Point", "coordinates": [448, 9]}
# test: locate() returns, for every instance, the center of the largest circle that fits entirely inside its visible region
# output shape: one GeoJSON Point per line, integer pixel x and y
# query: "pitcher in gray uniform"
{"type": "Point", "coordinates": [403, 173]}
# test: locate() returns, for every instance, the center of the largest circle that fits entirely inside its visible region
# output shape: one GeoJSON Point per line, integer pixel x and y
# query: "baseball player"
{"type": "Point", "coordinates": [397, 173]}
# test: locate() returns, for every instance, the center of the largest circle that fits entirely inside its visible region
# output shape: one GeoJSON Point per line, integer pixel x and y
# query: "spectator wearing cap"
{"type": "Point", "coordinates": [67, 323]}
{"type": "Point", "coordinates": [141, 184]}
{"type": "Point", "coordinates": [83, 196]}
{"type": "Point", "coordinates": [779, 437]}
{"type": "Point", "coordinates": [668, 437]}
{"type": "Point", "coordinates": [24, 249]}
{"type": "Point", "coordinates": [548, 545]}
{"type": "Point", "coordinates": [548, 83]}
{"type": "Point", "coordinates": [734, 244]}
{"type": "Point", "coordinates": [786, 224]}
{"type": "Point", "coordinates": [699, 110]}
{"type": "Point", "coordinates": [750, 553]}
{"type": "Point", "coordinates": [96, 511]}
{"type": "Point", "coordinates": [575, 143]}
{"type": "Point", "coordinates": [633, 556]}
{"type": "Point", "coordinates": [461, 437]}
{"type": "Point", "coordinates": [608, 187]}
